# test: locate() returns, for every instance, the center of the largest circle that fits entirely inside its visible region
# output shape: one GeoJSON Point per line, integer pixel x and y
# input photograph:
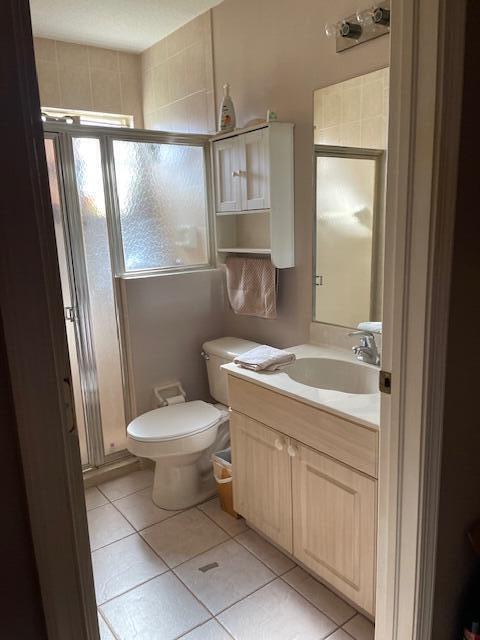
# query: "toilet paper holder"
{"type": "Point", "coordinates": [169, 394]}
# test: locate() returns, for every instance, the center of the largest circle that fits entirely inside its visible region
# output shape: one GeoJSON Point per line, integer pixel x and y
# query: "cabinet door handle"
{"type": "Point", "coordinates": [292, 450]}
{"type": "Point", "coordinates": [236, 174]}
{"type": "Point", "coordinates": [278, 444]}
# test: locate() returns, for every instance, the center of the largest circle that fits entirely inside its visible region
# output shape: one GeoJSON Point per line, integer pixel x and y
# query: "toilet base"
{"type": "Point", "coordinates": [180, 487]}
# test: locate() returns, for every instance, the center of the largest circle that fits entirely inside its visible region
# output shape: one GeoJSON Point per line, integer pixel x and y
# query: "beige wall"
{"type": "Point", "coordinates": [177, 75]}
{"type": "Point", "coordinates": [74, 76]}
{"type": "Point", "coordinates": [274, 54]}
{"type": "Point", "coordinates": [169, 318]}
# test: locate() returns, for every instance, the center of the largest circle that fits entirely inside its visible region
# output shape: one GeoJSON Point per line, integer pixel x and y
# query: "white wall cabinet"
{"type": "Point", "coordinates": [319, 509]}
{"type": "Point", "coordinates": [254, 192]}
{"type": "Point", "coordinates": [227, 185]}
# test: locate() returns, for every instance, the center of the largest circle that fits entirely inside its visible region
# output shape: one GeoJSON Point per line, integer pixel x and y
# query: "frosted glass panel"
{"type": "Point", "coordinates": [67, 295]}
{"type": "Point", "coordinates": [88, 171]}
{"type": "Point", "coordinates": [344, 242]}
{"type": "Point", "coordinates": [163, 205]}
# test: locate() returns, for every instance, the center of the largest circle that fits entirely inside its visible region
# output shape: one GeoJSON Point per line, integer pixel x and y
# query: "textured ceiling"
{"type": "Point", "coordinates": [130, 25]}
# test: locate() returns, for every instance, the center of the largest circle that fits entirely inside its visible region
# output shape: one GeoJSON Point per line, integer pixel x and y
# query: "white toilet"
{"type": "Point", "coordinates": [181, 438]}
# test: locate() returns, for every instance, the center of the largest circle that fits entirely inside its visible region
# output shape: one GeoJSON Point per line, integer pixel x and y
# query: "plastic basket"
{"type": "Point", "coordinates": [222, 471]}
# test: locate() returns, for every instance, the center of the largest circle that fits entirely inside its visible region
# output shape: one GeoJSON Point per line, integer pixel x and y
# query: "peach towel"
{"type": "Point", "coordinates": [252, 286]}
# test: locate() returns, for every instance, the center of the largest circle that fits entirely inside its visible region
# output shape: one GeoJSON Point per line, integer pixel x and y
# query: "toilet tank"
{"type": "Point", "coordinates": [218, 352]}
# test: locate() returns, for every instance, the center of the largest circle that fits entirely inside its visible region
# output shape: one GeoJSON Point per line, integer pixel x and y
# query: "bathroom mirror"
{"type": "Point", "coordinates": [350, 125]}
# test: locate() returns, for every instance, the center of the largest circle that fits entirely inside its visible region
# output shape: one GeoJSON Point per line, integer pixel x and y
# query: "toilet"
{"type": "Point", "coordinates": [180, 438]}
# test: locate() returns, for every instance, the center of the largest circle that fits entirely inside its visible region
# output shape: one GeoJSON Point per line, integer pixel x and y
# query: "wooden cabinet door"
{"type": "Point", "coordinates": [255, 170]}
{"type": "Point", "coordinates": [334, 530]}
{"type": "Point", "coordinates": [227, 175]}
{"type": "Point", "coordinates": [262, 478]}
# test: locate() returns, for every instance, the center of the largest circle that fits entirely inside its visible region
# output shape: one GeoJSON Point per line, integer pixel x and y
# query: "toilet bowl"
{"type": "Point", "coordinates": [181, 438]}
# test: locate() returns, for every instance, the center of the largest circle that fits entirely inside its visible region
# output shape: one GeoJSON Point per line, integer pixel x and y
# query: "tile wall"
{"type": "Point", "coordinates": [75, 76]}
{"type": "Point", "coordinates": [177, 73]}
{"type": "Point", "coordinates": [353, 113]}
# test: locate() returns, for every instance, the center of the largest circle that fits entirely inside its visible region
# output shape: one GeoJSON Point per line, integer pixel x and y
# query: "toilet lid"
{"type": "Point", "coordinates": [175, 421]}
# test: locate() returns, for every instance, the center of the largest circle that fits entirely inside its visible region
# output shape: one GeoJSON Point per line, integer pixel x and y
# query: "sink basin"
{"type": "Point", "coordinates": [335, 375]}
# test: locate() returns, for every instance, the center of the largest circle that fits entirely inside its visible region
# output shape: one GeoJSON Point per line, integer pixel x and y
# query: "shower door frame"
{"type": "Point", "coordinates": [63, 135]}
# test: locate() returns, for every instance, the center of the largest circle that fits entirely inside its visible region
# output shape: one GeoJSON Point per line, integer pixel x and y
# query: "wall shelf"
{"type": "Point", "coordinates": [244, 250]}
{"type": "Point", "coordinates": [254, 192]}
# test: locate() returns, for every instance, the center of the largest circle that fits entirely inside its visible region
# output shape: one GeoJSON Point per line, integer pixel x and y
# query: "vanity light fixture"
{"type": "Point", "coordinates": [364, 25]}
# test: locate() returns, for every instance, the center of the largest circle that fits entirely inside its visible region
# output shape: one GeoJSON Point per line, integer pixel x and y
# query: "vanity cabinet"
{"type": "Point", "coordinates": [334, 515]}
{"type": "Point", "coordinates": [254, 192]}
{"type": "Point", "coordinates": [262, 488]}
{"type": "Point", "coordinates": [305, 498]}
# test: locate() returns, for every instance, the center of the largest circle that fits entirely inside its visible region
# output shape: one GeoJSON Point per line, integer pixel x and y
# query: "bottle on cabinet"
{"type": "Point", "coordinates": [226, 121]}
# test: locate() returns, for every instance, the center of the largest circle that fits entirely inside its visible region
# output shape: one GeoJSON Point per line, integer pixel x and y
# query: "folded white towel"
{"type": "Point", "coordinates": [264, 358]}
{"type": "Point", "coordinates": [374, 327]}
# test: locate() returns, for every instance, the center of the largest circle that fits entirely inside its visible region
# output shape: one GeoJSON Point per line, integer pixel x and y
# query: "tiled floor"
{"type": "Point", "coordinates": [200, 574]}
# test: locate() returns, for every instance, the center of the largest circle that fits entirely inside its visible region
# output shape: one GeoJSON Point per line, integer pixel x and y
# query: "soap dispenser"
{"type": "Point", "coordinates": [227, 112]}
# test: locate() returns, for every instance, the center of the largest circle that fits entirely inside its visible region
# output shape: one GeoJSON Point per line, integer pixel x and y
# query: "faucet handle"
{"type": "Point", "coordinates": [367, 334]}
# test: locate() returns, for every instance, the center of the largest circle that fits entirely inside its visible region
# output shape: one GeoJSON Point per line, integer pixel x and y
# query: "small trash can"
{"type": "Point", "coordinates": [222, 471]}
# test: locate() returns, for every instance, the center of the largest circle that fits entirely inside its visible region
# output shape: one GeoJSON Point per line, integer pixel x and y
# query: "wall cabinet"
{"type": "Point", "coordinates": [242, 176]}
{"type": "Point", "coordinates": [317, 508]}
{"type": "Point", "coordinates": [254, 192]}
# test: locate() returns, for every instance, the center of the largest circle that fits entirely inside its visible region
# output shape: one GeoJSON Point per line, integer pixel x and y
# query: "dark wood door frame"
{"type": "Point", "coordinates": [32, 315]}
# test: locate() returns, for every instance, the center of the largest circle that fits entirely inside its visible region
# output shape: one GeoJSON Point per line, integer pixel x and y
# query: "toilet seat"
{"type": "Point", "coordinates": [174, 422]}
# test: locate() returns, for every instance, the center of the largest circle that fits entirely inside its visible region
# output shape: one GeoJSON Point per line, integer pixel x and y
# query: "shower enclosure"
{"type": "Point", "coordinates": [125, 203]}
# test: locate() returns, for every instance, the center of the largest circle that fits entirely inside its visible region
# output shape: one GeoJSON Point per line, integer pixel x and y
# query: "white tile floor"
{"type": "Point", "coordinates": [200, 575]}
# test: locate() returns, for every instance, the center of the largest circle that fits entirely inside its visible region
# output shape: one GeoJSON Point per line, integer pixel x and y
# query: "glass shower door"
{"type": "Point", "coordinates": [68, 293]}
{"type": "Point", "coordinates": [98, 295]}
{"type": "Point", "coordinates": [132, 202]}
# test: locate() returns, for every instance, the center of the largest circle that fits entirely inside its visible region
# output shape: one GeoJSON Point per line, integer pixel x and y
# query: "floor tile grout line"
{"type": "Point", "coordinates": [197, 626]}
{"type": "Point", "coordinates": [173, 514]}
{"type": "Point", "coordinates": [233, 604]}
{"type": "Point", "coordinates": [232, 537]}
{"type": "Point", "coordinates": [314, 605]}
{"type": "Point", "coordinates": [224, 628]}
{"type": "Point", "coordinates": [349, 620]}
{"type": "Point", "coordinates": [108, 624]}
{"type": "Point", "coordinates": [113, 541]}
{"type": "Point", "coordinates": [112, 500]}
{"type": "Point", "coordinates": [217, 523]}
{"type": "Point", "coordinates": [279, 575]}
{"type": "Point", "coordinates": [186, 587]}
{"type": "Point", "coordinates": [332, 633]}
{"type": "Point", "coordinates": [140, 584]}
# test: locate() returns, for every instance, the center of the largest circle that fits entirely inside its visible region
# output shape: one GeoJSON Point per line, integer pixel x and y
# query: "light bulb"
{"type": "Point", "coordinates": [365, 16]}
{"type": "Point", "coordinates": [331, 29]}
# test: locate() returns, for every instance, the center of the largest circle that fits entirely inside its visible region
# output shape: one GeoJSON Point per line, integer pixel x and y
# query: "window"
{"type": "Point", "coordinates": [162, 205]}
{"type": "Point", "coordinates": [91, 118]}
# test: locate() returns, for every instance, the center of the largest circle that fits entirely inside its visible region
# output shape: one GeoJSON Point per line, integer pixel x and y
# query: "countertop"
{"type": "Point", "coordinates": [361, 408]}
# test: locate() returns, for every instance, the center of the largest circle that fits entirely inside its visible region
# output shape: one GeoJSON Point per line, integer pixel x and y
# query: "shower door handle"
{"type": "Point", "coordinates": [70, 314]}
{"type": "Point", "coordinates": [70, 423]}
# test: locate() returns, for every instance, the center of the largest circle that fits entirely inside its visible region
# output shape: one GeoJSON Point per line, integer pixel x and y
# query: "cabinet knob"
{"type": "Point", "coordinates": [236, 174]}
{"type": "Point", "coordinates": [278, 444]}
{"type": "Point", "coordinates": [292, 450]}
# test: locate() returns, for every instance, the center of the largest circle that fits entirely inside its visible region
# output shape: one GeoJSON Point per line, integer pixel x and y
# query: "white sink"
{"type": "Point", "coordinates": [335, 375]}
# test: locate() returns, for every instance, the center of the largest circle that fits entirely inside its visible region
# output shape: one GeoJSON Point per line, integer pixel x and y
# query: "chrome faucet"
{"type": "Point", "coordinates": [367, 350]}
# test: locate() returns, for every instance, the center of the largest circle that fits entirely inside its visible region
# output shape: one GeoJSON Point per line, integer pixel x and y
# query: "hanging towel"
{"type": "Point", "coordinates": [264, 358]}
{"type": "Point", "coordinates": [373, 327]}
{"type": "Point", "coordinates": [251, 286]}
